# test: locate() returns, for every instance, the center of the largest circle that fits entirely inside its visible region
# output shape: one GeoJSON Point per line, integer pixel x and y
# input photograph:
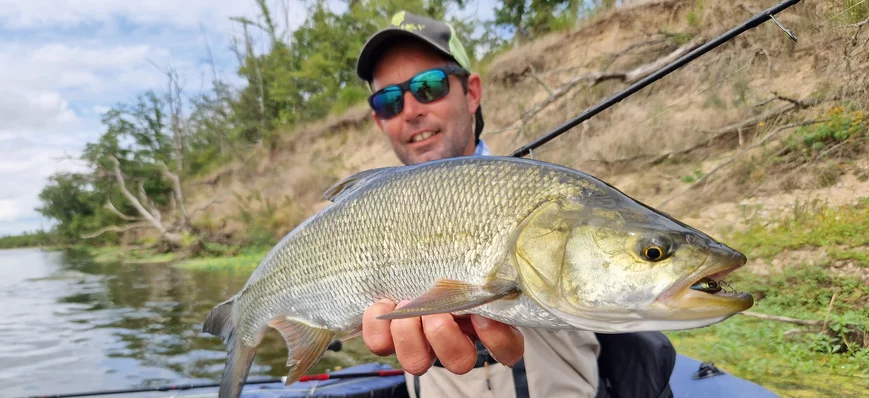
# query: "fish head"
{"type": "Point", "coordinates": [612, 265]}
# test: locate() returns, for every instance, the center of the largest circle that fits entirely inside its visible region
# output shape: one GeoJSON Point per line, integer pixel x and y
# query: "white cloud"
{"type": "Point", "coordinates": [58, 14]}
{"type": "Point", "coordinates": [66, 63]}
{"type": "Point", "coordinates": [25, 166]}
{"type": "Point", "coordinates": [100, 109]}
{"type": "Point", "coordinates": [34, 111]}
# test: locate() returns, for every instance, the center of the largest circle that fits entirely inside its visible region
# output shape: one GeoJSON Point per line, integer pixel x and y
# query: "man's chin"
{"type": "Point", "coordinates": [423, 155]}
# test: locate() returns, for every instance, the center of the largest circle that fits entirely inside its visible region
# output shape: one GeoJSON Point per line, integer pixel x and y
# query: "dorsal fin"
{"type": "Point", "coordinates": [353, 182]}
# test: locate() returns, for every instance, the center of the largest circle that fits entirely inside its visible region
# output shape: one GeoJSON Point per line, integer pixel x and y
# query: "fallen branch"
{"type": "Point", "coordinates": [119, 178]}
{"type": "Point", "coordinates": [859, 24]}
{"type": "Point", "coordinates": [178, 192]}
{"type": "Point", "coordinates": [204, 207]}
{"type": "Point", "coordinates": [123, 216]}
{"type": "Point", "coordinates": [593, 78]}
{"type": "Point", "coordinates": [784, 319]}
{"type": "Point", "coordinates": [740, 126]}
{"type": "Point", "coordinates": [731, 160]}
{"type": "Point", "coordinates": [629, 77]}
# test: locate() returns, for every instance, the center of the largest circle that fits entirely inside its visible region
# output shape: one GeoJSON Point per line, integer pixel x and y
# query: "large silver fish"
{"type": "Point", "coordinates": [523, 242]}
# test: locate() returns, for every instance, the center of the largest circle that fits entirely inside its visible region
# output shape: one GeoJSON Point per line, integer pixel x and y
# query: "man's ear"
{"type": "Point", "coordinates": [475, 92]}
{"type": "Point", "coordinates": [378, 121]}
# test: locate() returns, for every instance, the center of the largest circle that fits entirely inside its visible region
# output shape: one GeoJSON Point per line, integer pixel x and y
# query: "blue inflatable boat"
{"type": "Point", "coordinates": [682, 383]}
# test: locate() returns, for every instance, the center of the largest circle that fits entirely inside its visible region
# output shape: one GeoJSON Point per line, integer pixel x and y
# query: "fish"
{"type": "Point", "coordinates": [523, 242]}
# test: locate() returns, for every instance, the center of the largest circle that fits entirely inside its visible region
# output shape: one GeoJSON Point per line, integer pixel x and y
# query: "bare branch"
{"type": "Point", "coordinates": [176, 111]}
{"type": "Point", "coordinates": [132, 199]}
{"type": "Point", "coordinates": [591, 78]}
{"type": "Point", "coordinates": [785, 319]}
{"type": "Point", "coordinates": [116, 228]}
{"type": "Point", "coordinates": [729, 161]}
{"type": "Point", "coordinates": [111, 207]}
{"type": "Point", "coordinates": [629, 77]}
{"type": "Point", "coordinates": [204, 207]}
{"type": "Point", "coordinates": [647, 69]}
{"type": "Point", "coordinates": [859, 24]}
{"type": "Point", "coordinates": [539, 81]}
{"type": "Point", "coordinates": [178, 192]}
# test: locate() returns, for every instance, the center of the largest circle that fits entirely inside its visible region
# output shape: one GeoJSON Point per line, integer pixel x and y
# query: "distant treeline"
{"type": "Point", "coordinates": [28, 239]}
{"type": "Point", "coordinates": [156, 141]}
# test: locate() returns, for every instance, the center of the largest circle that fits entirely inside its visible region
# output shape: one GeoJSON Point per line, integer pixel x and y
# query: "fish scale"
{"type": "Point", "coordinates": [451, 236]}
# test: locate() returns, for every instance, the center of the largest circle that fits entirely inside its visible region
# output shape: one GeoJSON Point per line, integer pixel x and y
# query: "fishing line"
{"type": "Point", "coordinates": [726, 77]}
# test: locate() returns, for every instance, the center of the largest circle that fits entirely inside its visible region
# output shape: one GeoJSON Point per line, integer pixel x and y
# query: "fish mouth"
{"type": "Point", "coordinates": [706, 294]}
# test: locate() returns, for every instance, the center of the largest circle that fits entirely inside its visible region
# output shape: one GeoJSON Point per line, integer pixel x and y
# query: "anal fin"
{"type": "Point", "coordinates": [452, 296]}
{"type": "Point", "coordinates": [356, 332]}
{"type": "Point", "coordinates": [306, 345]}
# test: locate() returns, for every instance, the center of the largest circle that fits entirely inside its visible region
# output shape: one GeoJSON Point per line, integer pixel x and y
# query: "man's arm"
{"type": "Point", "coordinates": [417, 342]}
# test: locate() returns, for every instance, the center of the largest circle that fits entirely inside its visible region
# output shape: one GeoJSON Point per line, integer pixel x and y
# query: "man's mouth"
{"type": "Point", "coordinates": [422, 136]}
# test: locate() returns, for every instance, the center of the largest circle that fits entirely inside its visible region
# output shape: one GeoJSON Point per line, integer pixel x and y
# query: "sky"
{"type": "Point", "coordinates": [65, 63]}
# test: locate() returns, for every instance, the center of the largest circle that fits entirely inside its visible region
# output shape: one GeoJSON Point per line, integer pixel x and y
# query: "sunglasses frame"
{"type": "Point", "coordinates": [405, 87]}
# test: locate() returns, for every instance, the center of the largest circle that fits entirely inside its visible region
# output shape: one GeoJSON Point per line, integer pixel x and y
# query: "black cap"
{"type": "Point", "coordinates": [440, 35]}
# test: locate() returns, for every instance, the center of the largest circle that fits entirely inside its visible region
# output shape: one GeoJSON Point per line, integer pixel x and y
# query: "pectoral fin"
{"type": "Point", "coordinates": [306, 345]}
{"type": "Point", "coordinates": [452, 296]}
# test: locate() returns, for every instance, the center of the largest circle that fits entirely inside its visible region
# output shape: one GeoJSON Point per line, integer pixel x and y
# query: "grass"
{"type": "Point", "coordinates": [111, 254]}
{"type": "Point", "coordinates": [842, 231]}
{"type": "Point", "coordinates": [781, 357]}
{"type": "Point", "coordinates": [247, 259]}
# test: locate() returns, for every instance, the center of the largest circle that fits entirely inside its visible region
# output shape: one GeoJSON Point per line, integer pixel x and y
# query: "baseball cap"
{"type": "Point", "coordinates": [438, 34]}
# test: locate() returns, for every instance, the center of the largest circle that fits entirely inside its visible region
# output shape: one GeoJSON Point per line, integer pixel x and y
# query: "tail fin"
{"type": "Point", "coordinates": [240, 357]}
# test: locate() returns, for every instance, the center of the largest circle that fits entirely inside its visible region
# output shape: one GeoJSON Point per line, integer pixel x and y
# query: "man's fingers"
{"type": "Point", "coordinates": [411, 348]}
{"type": "Point", "coordinates": [504, 342]}
{"type": "Point", "coordinates": [453, 348]}
{"type": "Point", "coordinates": [376, 333]}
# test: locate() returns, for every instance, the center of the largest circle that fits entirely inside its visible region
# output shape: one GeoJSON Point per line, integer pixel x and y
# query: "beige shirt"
{"type": "Point", "coordinates": [557, 364]}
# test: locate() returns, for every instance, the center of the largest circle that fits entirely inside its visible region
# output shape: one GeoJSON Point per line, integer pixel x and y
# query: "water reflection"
{"type": "Point", "coordinates": [68, 324]}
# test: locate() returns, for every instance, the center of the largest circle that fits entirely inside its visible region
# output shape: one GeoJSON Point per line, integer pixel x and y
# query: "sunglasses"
{"type": "Point", "coordinates": [430, 85]}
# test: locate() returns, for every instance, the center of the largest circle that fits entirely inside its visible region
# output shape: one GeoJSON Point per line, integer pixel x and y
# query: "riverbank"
{"type": "Point", "coordinates": [799, 259]}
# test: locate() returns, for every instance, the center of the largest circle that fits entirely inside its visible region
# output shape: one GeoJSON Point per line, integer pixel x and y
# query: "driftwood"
{"type": "Point", "coordinates": [738, 155]}
{"type": "Point", "coordinates": [627, 77]}
{"type": "Point", "coordinates": [738, 127]}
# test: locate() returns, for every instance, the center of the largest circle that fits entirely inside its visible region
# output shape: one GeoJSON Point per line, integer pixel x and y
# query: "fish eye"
{"type": "Point", "coordinates": [653, 253]}
{"type": "Point", "coordinates": [655, 249]}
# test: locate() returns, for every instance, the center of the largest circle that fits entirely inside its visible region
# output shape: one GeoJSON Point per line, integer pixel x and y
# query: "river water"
{"type": "Point", "coordinates": [68, 324]}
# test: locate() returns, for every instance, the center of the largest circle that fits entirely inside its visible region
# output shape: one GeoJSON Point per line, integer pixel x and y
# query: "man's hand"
{"type": "Point", "coordinates": [418, 341]}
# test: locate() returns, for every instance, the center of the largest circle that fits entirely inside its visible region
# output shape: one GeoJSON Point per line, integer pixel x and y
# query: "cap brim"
{"type": "Point", "coordinates": [369, 55]}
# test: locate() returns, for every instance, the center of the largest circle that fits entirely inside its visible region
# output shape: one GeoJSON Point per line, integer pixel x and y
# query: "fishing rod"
{"type": "Point", "coordinates": [180, 387]}
{"type": "Point", "coordinates": [751, 23]}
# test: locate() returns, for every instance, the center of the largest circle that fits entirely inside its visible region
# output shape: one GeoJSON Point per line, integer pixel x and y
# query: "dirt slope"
{"type": "Point", "coordinates": [628, 145]}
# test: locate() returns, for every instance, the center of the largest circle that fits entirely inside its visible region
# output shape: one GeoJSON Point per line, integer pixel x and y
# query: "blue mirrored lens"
{"type": "Point", "coordinates": [387, 103]}
{"type": "Point", "coordinates": [429, 86]}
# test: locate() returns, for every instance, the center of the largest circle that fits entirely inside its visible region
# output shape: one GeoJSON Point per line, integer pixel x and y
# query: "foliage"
{"type": "Point", "coordinates": [840, 124]}
{"type": "Point", "coordinates": [291, 78]}
{"type": "Point", "coordinates": [784, 357]}
{"type": "Point", "coordinates": [525, 19]}
{"type": "Point", "coordinates": [28, 239]}
{"type": "Point", "coordinates": [840, 230]}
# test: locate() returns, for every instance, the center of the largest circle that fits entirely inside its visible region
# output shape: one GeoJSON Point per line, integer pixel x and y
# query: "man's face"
{"type": "Point", "coordinates": [436, 130]}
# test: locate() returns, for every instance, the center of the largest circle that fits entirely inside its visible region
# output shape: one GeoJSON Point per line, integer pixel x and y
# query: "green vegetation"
{"type": "Point", "coordinates": [153, 144]}
{"type": "Point", "coordinates": [838, 126]}
{"type": "Point", "coordinates": [840, 231]}
{"type": "Point", "coordinates": [794, 360]}
{"type": "Point", "coordinates": [248, 259]}
{"type": "Point", "coordinates": [28, 239]}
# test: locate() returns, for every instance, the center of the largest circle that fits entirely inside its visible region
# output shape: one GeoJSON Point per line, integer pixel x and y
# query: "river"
{"type": "Point", "coordinates": [68, 324]}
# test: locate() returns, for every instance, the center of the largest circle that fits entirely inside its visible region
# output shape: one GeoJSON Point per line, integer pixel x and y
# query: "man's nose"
{"type": "Point", "coordinates": [413, 108]}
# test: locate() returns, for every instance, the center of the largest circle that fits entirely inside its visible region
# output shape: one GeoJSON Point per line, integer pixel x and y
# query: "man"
{"type": "Point", "coordinates": [427, 103]}
{"type": "Point", "coordinates": [437, 116]}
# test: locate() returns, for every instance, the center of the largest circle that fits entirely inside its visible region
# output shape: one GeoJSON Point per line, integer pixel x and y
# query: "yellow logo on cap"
{"type": "Point", "coordinates": [398, 21]}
